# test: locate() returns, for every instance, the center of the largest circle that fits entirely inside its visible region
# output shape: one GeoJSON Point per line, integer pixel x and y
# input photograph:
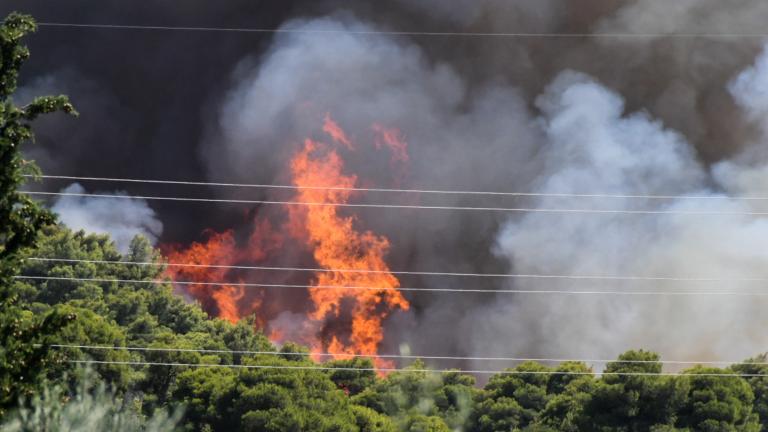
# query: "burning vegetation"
{"type": "Point", "coordinates": [351, 292]}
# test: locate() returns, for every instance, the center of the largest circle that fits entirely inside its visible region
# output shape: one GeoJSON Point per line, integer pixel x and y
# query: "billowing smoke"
{"type": "Point", "coordinates": [582, 141]}
{"type": "Point", "coordinates": [645, 115]}
{"type": "Point", "coordinates": [122, 219]}
{"type": "Point", "coordinates": [591, 147]}
{"type": "Point", "coordinates": [456, 139]}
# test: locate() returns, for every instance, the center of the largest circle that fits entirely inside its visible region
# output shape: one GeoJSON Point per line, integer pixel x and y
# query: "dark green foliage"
{"type": "Point", "coordinates": [271, 399]}
{"type": "Point", "coordinates": [353, 382]}
{"type": "Point", "coordinates": [759, 385]}
{"type": "Point", "coordinates": [635, 402]}
{"type": "Point", "coordinates": [23, 356]}
{"type": "Point", "coordinates": [717, 403]}
{"type": "Point", "coordinates": [264, 392]}
{"type": "Point", "coordinates": [275, 392]}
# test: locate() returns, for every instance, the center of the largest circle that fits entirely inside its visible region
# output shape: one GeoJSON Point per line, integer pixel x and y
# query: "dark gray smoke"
{"type": "Point", "coordinates": [629, 115]}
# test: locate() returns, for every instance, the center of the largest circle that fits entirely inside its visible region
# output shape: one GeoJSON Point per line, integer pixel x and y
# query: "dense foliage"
{"type": "Point", "coordinates": [20, 220]}
{"type": "Point", "coordinates": [632, 395]}
{"type": "Point", "coordinates": [115, 312]}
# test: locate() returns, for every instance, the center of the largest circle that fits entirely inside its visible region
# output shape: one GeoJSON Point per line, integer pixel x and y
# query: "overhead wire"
{"type": "Point", "coordinates": [415, 370]}
{"type": "Point", "coordinates": [393, 190]}
{"type": "Point", "coordinates": [408, 206]}
{"type": "Point", "coordinates": [405, 289]}
{"type": "Point", "coordinates": [400, 356]}
{"type": "Point", "coordinates": [410, 273]}
{"type": "Point", "coordinates": [354, 31]}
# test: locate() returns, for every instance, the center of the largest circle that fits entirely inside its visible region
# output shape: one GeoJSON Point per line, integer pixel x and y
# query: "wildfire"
{"type": "Point", "coordinates": [355, 292]}
{"type": "Point", "coordinates": [337, 245]}
{"type": "Point", "coordinates": [219, 250]}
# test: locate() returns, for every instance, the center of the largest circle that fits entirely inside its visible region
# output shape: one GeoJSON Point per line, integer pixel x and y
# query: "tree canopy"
{"type": "Point", "coordinates": [22, 353]}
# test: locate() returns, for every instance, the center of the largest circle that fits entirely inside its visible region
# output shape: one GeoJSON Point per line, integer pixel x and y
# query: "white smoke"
{"type": "Point", "coordinates": [592, 148]}
{"type": "Point", "coordinates": [486, 138]}
{"type": "Point", "coordinates": [457, 139]}
{"type": "Point", "coordinates": [122, 219]}
{"type": "Point", "coordinates": [747, 174]}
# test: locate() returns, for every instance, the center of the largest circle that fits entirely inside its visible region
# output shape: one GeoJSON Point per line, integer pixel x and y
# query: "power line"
{"type": "Point", "coordinates": [369, 288]}
{"type": "Point", "coordinates": [404, 206]}
{"type": "Point", "coordinates": [417, 191]}
{"type": "Point", "coordinates": [402, 33]}
{"type": "Point", "coordinates": [401, 356]}
{"type": "Point", "coordinates": [443, 371]}
{"type": "Point", "coordinates": [411, 273]}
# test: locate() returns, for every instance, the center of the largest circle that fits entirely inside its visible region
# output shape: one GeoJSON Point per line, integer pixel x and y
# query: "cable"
{"type": "Point", "coordinates": [403, 33]}
{"type": "Point", "coordinates": [476, 372]}
{"type": "Point", "coordinates": [403, 206]}
{"type": "Point", "coordinates": [417, 191]}
{"type": "Point", "coordinates": [400, 356]}
{"type": "Point", "coordinates": [418, 273]}
{"type": "Point", "coordinates": [368, 288]}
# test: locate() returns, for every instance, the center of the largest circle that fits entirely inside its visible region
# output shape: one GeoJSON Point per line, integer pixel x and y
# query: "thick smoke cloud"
{"type": "Point", "coordinates": [457, 139]}
{"type": "Point", "coordinates": [592, 148]}
{"type": "Point", "coordinates": [747, 173]}
{"type": "Point", "coordinates": [581, 143]}
{"type": "Point", "coordinates": [643, 115]}
{"type": "Point", "coordinates": [120, 218]}
{"type": "Point", "coordinates": [452, 132]}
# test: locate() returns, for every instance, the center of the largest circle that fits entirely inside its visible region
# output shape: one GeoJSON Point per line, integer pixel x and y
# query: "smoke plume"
{"type": "Point", "coordinates": [657, 113]}
{"type": "Point", "coordinates": [592, 148]}
{"type": "Point", "coordinates": [120, 218]}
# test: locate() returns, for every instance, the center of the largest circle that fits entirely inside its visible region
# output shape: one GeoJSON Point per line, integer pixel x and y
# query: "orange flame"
{"type": "Point", "coordinates": [218, 250]}
{"type": "Point", "coordinates": [337, 244]}
{"type": "Point", "coordinates": [344, 321]}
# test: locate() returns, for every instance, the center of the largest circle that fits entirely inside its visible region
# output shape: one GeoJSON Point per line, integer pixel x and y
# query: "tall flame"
{"type": "Point", "coordinates": [338, 245]}
{"type": "Point", "coordinates": [348, 308]}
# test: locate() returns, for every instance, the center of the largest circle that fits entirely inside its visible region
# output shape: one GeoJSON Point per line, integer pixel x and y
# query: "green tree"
{"type": "Point", "coordinates": [23, 336]}
{"type": "Point", "coordinates": [350, 380]}
{"type": "Point", "coordinates": [633, 396]}
{"type": "Point", "coordinates": [758, 382]}
{"type": "Point", "coordinates": [718, 403]}
{"type": "Point", "coordinates": [275, 395]}
{"type": "Point", "coordinates": [571, 391]}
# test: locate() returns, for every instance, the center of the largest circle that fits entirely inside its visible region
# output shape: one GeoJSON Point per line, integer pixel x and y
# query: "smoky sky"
{"type": "Point", "coordinates": [625, 115]}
